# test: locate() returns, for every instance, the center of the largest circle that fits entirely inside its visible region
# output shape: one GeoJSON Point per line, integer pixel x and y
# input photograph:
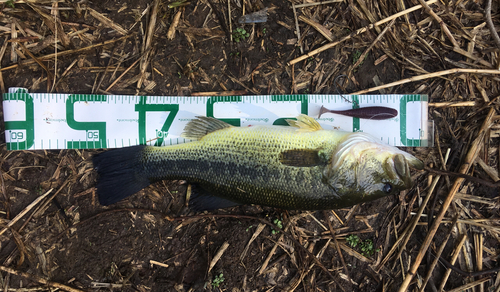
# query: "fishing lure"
{"type": "Point", "coordinates": [370, 112]}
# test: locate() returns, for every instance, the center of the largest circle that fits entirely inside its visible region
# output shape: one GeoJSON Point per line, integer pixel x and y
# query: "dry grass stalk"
{"type": "Point", "coordinates": [497, 283]}
{"type": "Point", "coordinates": [218, 255]}
{"type": "Point", "coordinates": [297, 29]}
{"type": "Point", "coordinates": [470, 285]}
{"type": "Point", "coordinates": [37, 61]}
{"type": "Point", "coordinates": [337, 246]}
{"type": "Point", "coordinates": [393, 249]}
{"type": "Point", "coordinates": [488, 169]}
{"type": "Point", "coordinates": [369, 15]}
{"type": "Point", "coordinates": [478, 242]}
{"type": "Point", "coordinates": [357, 32]}
{"type": "Point", "coordinates": [39, 280]}
{"type": "Point", "coordinates": [152, 262]}
{"type": "Point", "coordinates": [173, 26]}
{"type": "Point", "coordinates": [438, 255]}
{"type": "Point", "coordinates": [473, 222]}
{"type": "Point", "coordinates": [302, 273]}
{"type": "Point", "coordinates": [55, 25]}
{"type": "Point", "coordinates": [64, 74]}
{"type": "Point", "coordinates": [123, 74]}
{"type": "Point", "coordinates": [26, 210]}
{"type": "Point", "coordinates": [202, 31]}
{"type": "Point", "coordinates": [2, 54]}
{"type": "Point", "coordinates": [454, 256]}
{"type": "Point", "coordinates": [254, 236]}
{"type": "Point", "coordinates": [220, 93]}
{"type": "Point", "coordinates": [381, 34]}
{"type": "Point", "coordinates": [317, 3]}
{"type": "Point", "coordinates": [320, 28]}
{"type": "Point", "coordinates": [338, 218]}
{"type": "Point", "coordinates": [68, 52]}
{"type": "Point", "coordinates": [146, 48]}
{"type": "Point", "coordinates": [107, 22]}
{"type": "Point", "coordinates": [405, 237]}
{"type": "Point", "coordinates": [443, 25]}
{"type": "Point", "coordinates": [13, 47]}
{"type": "Point", "coordinates": [467, 197]}
{"type": "Point", "coordinates": [111, 286]}
{"type": "Point", "coordinates": [469, 159]}
{"type": "Point", "coordinates": [470, 56]}
{"type": "Point", "coordinates": [243, 85]}
{"type": "Point", "coordinates": [271, 253]}
{"type": "Point", "coordinates": [495, 234]}
{"type": "Point", "coordinates": [466, 262]}
{"type": "Point", "coordinates": [427, 76]}
{"type": "Point", "coordinates": [230, 20]}
{"type": "Point", "coordinates": [354, 253]}
{"type": "Point", "coordinates": [452, 104]}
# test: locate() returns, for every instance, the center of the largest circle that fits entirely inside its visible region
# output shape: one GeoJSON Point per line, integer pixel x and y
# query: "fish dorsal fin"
{"type": "Point", "coordinates": [202, 126]}
{"type": "Point", "coordinates": [300, 157]}
{"type": "Point", "coordinates": [305, 124]}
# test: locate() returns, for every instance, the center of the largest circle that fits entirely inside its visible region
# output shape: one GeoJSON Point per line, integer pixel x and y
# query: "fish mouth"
{"type": "Point", "coordinates": [402, 165]}
{"type": "Point", "coordinates": [415, 162]}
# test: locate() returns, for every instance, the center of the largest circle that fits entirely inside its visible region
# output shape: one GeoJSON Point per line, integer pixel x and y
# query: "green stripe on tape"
{"type": "Point", "coordinates": [95, 131]}
{"type": "Point", "coordinates": [402, 112]}
{"type": "Point", "coordinates": [16, 128]}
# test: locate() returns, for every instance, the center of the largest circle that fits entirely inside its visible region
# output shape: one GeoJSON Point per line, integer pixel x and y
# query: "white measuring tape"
{"type": "Point", "coordinates": [83, 121]}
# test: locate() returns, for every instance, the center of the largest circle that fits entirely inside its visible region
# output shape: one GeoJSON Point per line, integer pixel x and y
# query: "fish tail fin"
{"type": "Point", "coordinates": [119, 174]}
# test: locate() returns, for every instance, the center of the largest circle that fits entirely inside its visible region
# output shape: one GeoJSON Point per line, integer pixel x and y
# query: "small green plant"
{"type": "Point", "coordinates": [217, 281]}
{"type": "Point", "coordinates": [10, 3]}
{"type": "Point", "coordinates": [367, 248]}
{"type": "Point", "coordinates": [352, 240]}
{"type": "Point", "coordinates": [179, 3]}
{"type": "Point", "coordinates": [240, 34]}
{"type": "Point", "coordinates": [264, 31]}
{"type": "Point", "coordinates": [278, 224]}
{"type": "Point", "coordinates": [179, 74]}
{"type": "Point", "coordinates": [355, 57]}
{"type": "Point", "coordinates": [249, 227]}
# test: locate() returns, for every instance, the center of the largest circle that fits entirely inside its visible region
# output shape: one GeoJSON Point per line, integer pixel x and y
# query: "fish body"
{"type": "Point", "coordinates": [302, 167]}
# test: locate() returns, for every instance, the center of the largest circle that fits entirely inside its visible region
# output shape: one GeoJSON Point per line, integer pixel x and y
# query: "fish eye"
{"type": "Point", "coordinates": [387, 188]}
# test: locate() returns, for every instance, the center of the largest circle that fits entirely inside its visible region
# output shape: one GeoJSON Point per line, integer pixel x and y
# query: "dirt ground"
{"type": "Point", "coordinates": [153, 242]}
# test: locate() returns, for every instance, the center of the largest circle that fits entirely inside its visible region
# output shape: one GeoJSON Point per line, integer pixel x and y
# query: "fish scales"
{"type": "Point", "coordinates": [298, 167]}
{"type": "Point", "coordinates": [243, 164]}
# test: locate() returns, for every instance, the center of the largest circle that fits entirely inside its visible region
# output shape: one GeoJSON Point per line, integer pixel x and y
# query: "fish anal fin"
{"type": "Point", "coordinates": [202, 126]}
{"type": "Point", "coordinates": [202, 200]}
{"type": "Point", "coordinates": [305, 124]}
{"type": "Point", "coordinates": [300, 157]}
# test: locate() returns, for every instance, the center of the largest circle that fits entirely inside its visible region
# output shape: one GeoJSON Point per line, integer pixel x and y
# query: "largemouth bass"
{"type": "Point", "coordinates": [302, 167]}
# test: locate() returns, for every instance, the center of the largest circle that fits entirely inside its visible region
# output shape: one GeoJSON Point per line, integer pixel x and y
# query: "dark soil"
{"type": "Point", "coordinates": [73, 240]}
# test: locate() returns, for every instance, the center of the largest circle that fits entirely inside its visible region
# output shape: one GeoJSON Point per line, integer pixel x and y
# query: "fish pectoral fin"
{"type": "Point", "coordinates": [300, 157]}
{"type": "Point", "coordinates": [202, 200]}
{"type": "Point", "coordinates": [202, 126]}
{"type": "Point", "coordinates": [305, 124]}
